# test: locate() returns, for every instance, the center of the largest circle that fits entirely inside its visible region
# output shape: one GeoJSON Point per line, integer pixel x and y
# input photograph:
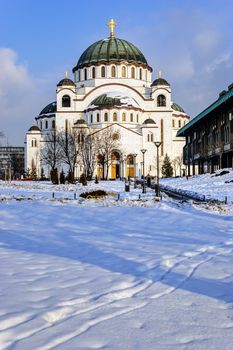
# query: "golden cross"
{"type": "Point", "coordinates": [112, 24]}
{"type": "Point", "coordinates": [160, 74]}
{"type": "Point", "coordinates": [66, 75]}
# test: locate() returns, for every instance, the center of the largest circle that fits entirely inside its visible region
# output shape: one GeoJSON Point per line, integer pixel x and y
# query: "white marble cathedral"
{"type": "Point", "coordinates": [112, 86]}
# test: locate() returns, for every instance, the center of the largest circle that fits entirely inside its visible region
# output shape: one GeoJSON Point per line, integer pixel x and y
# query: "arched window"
{"type": "Point", "coordinates": [123, 72]}
{"type": "Point", "coordinates": [113, 71]}
{"type": "Point", "coordinates": [34, 143]}
{"type": "Point", "coordinates": [150, 137]}
{"type": "Point", "coordinates": [46, 124]}
{"type": "Point", "coordinates": [53, 124]}
{"type": "Point", "coordinates": [146, 75]}
{"type": "Point", "coordinates": [173, 123]}
{"type": "Point", "coordinates": [137, 118]}
{"type": "Point", "coordinates": [41, 125]}
{"type": "Point", "coordinates": [93, 72]}
{"type": "Point", "coordinates": [133, 72]}
{"type": "Point", "coordinates": [66, 101]}
{"type": "Point", "coordinates": [140, 73]}
{"type": "Point", "coordinates": [123, 117]}
{"type": "Point", "coordinates": [91, 118]}
{"type": "Point", "coordinates": [105, 117]}
{"type": "Point", "coordinates": [179, 123]}
{"type": "Point", "coordinates": [79, 75]}
{"type": "Point", "coordinates": [131, 117]}
{"type": "Point", "coordinates": [85, 74]}
{"type": "Point", "coordinates": [115, 117]}
{"type": "Point", "coordinates": [97, 117]}
{"type": "Point", "coordinates": [161, 101]}
{"type": "Point", "coordinates": [103, 72]}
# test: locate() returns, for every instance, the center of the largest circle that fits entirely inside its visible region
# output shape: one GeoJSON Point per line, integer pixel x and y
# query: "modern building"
{"type": "Point", "coordinates": [11, 162]}
{"type": "Point", "coordinates": [209, 136]}
{"type": "Point", "coordinates": [112, 86]}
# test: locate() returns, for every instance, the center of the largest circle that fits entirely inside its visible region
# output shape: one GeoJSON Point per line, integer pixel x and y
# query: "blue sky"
{"type": "Point", "coordinates": [190, 41]}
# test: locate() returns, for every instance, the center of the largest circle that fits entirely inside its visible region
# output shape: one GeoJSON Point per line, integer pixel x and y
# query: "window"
{"type": "Point", "coordinates": [91, 118]}
{"type": "Point", "coordinates": [123, 72]}
{"type": "Point", "coordinates": [150, 137]}
{"type": "Point", "coordinates": [173, 123]}
{"type": "Point", "coordinates": [98, 118]}
{"type": "Point", "coordinates": [113, 71]}
{"type": "Point", "coordinates": [161, 101]}
{"type": "Point", "coordinates": [93, 72]}
{"type": "Point", "coordinates": [46, 124]}
{"type": "Point", "coordinates": [179, 123]}
{"type": "Point", "coordinates": [140, 73]}
{"type": "Point", "coordinates": [123, 117]}
{"type": "Point", "coordinates": [85, 74]}
{"type": "Point", "coordinates": [115, 117]}
{"type": "Point", "coordinates": [131, 117]}
{"type": "Point", "coordinates": [53, 124]}
{"type": "Point", "coordinates": [33, 143]}
{"type": "Point", "coordinates": [66, 101]}
{"type": "Point", "coordinates": [103, 72]}
{"type": "Point", "coordinates": [133, 72]}
{"type": "Point", "coordinates": [79, 75]}
{"type": "Point", "coordinates": [41, 125]}
{"type": "Point", "coordinates": [137, 118]}
{"type": "Point", "coordinates": [105, 117]}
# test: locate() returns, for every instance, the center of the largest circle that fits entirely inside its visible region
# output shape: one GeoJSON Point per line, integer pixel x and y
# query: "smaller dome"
{"type": "Point", "coordinates": [51, 108]}
{"type": "Point", "coordinates": [66, 82]}
{"type": "Point", "coordinates": [80, 121]}
{"type": "Point", "coordinates": [34, 128]}
{"type": "Point", "coordinates": [149, 121]}
{"type": "Point", "coordinates": [177, 108]}
{"type": "Point", "coordinates": [160, 81]}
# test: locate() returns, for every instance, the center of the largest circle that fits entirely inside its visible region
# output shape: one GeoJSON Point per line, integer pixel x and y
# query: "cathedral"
{"type": "Point", "coordinates": [112, 86]}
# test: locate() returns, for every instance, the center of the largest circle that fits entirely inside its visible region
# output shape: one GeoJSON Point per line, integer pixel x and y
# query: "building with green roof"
{"type": "Point", "coordinates": [209, 136]}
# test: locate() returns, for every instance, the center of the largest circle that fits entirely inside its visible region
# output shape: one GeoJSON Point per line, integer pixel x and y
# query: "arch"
{"type": "Point", "coordinates": [85, 73]}
{"type": "Point", "coordinates": [93, 72]}
{"type": "Point", "coordinates": [133, 72]}
{"type": "Point", "coordinates": [150, 137]}
{"type": "Point", "coordinates": [91, 118]}
{"type": "Point", "coordinates": [103, 72]}
{"type": "Point", "coordinates": [46, 124]}
{"type": "Point", "coordinates": [140, 73]}
{"type": "Point", "coordinates": [115, 166]}
{"type": "Point", "coordinates": [106, 117]}
{"type": "Point", "coordinates": [179, 123]}
{"type": "Point", "coordinates": [66, 101]}
{"type": "Point", "coordinates": [130, 166]}
{"type": "Point", "coordinates": [79, 75]}
{"type": "Point", "coordinates": [113, 71]}
{"type": "Point", "coordinates": [97, 117]}
{"type": "Point", "coordinates": [124, 117]}
{"type": "Point", "coordinates": [114, 117]}
{"type": "Point", "coordinates": [131, 117]}
{"type": "Point", "coordinates": [123, 71]}
{"type": "Point", "coordinates": [41, 124]}
{"type": "Point", "coordinates": [161, 101]}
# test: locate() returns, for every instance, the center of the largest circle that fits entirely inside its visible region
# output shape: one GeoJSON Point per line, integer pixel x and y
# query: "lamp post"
{"type": "Point", "coordinates": [134, 162]}
{"type": "Point", "coordinates": [125, 166]}
{"type": "Point", "coordinates": [143, 169]}
{"type": "Point", "coordinates": [157, 144]}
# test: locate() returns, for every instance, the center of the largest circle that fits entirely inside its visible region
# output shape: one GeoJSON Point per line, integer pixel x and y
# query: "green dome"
{"type": "Point", "coordinates": [177, 108]}
{"type": "Point", "coordinates": [111, 50]}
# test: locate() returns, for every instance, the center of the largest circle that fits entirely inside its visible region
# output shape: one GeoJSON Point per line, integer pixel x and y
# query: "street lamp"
{"type": "Point", "coordinates": [134, 162]}
{"type": "Point", "coordinates": [125, 166]}
{"type": "Point", "coordinates": [143, 169]}
{"type": "Point", "coordinates": [157, 144]}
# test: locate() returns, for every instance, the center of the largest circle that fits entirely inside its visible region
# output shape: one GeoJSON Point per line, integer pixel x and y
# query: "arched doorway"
{"type": "Point", "coordinates": [115, 165]}
{"type": "Point", "coordinates": [130, 166]}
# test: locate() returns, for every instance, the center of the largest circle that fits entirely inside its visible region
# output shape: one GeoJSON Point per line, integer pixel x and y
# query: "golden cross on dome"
{"type": "Point", "coordinates": [160, 74]}
{"type": "Point", "coordinates": [112, 24]}
{"type": "Point", "coordinates": [66, 75]}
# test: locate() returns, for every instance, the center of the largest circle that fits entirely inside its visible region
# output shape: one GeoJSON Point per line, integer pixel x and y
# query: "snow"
{"type": "Point", "coordinates": [109, 274]}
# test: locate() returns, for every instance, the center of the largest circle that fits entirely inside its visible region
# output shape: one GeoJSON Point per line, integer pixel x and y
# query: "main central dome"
{"type": "Point", "coordinates": [111, 50]}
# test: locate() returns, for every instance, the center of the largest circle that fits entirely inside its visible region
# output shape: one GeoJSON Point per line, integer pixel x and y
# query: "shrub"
{"type": "Point", "coordinates": [94, 194]}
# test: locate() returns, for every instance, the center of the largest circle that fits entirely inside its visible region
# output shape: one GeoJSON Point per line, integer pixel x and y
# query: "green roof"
{"type": "Point", "coordinates": [212, 107]}
{"type": "Point", "coordinates": [111, 49]}
{"type": "Point", "coordinates": [177, 108]}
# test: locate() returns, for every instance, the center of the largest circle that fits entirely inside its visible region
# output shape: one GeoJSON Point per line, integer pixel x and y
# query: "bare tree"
{"type": "Point", "coordinates": [89, 152]}
{"type": "Point", "coordinates": [108, 142]}
{"type": "Point", "coordinates": [51, 153]}
{"type": "Point", "coordinates": [70, 142]}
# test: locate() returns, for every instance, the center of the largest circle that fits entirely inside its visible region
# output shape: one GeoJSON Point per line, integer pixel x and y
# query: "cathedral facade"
{"type": "Point", "coordinates": [112, 86]}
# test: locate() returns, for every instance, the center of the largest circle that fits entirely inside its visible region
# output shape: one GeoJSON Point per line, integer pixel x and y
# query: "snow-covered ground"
{"type": "Point", "coordinates": [210, 185]}
{"type": "Point", "coordinates": [108, 274]}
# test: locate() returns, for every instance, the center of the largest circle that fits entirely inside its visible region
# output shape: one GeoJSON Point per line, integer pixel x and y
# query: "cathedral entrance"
{"type": "Point", "coordinates": [130, 166]}
{"type": "Point", "coordinates": [115, 166]}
